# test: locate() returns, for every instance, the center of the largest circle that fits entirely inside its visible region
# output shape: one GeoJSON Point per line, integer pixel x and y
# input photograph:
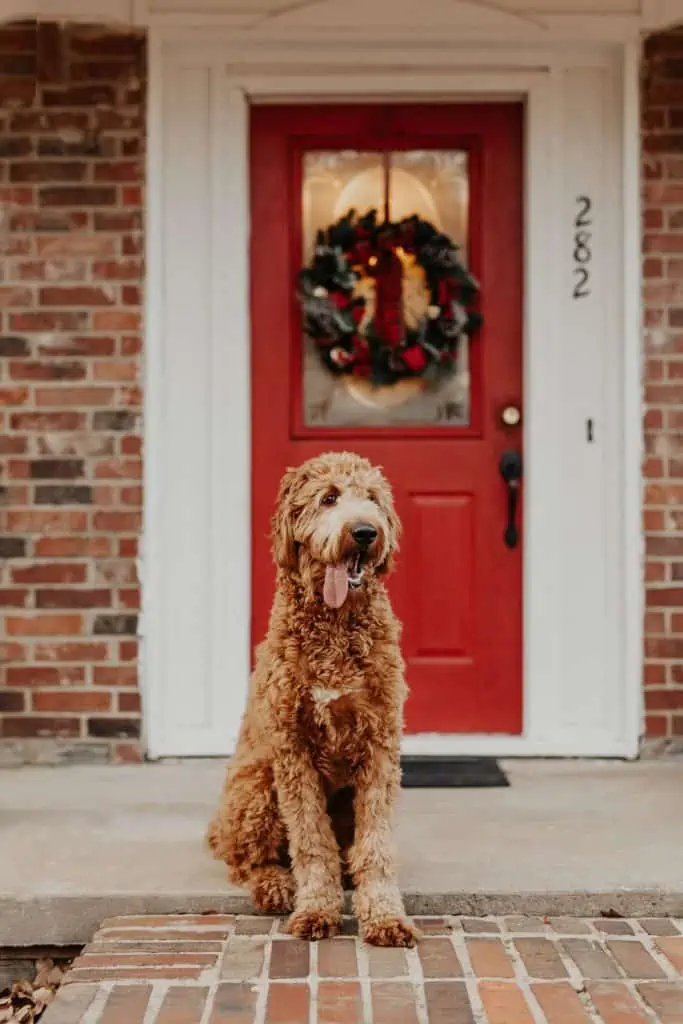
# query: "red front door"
{"type": "Point", "coordinates": [458, 587]}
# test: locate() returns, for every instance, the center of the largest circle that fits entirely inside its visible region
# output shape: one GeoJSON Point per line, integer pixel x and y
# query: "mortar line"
{"type": "Point", "coordinates": [263, 980]}
{"type": "Point", "coordinates": [524, 982]}
{"type": "Point", "coordinates": [649, 942]}
{"type": "Point", "coordinates": [312, 982]}
{"type": "Point", "coordinates": [363, 962]}
{"type": "Point", "coordinates": [94, 1011]}
{"type": "Point", "coordinates": [156, 999]}
{"type": "Point", "coordinates": [576, 978]}
{"type": "Point", "coordinates": [459, 943]}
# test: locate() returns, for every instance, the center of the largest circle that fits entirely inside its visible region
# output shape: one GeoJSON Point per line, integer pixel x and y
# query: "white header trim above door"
{"type": "Point", "coordinates": [581, 693]}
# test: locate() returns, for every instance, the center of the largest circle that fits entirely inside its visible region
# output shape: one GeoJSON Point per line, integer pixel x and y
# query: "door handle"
{"type": "Point", "coordinates": [510, 467]}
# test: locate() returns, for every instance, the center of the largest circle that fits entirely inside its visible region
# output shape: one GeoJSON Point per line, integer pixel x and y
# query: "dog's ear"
{"type": "Point", "coordinates": [284, 545]}
{"type": "Point", "coordinates": [386, 501]}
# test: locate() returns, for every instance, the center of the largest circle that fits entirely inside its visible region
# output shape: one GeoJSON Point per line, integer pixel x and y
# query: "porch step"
{"type": "Point", "coordinates": [139, 970]}
{"type": "Point", "coordinates": [80, 844]}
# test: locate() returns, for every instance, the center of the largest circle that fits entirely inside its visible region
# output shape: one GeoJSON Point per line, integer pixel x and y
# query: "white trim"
{"type": "Point", "coordinates": [633, 543]}
{"type": "Point", "coordinates": [152, 618]}
{"type": "Point", "coordinates": [578, 27]}
{"type": "Point", "coordinates": [186, 526]}
{"type": "Point", "coordinates": [547, 683]}
{"type": "Point", "coordinates": [590, 744]}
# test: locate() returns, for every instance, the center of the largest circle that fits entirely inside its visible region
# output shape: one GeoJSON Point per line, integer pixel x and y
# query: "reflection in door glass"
{"type": "Point", "coordinates": [429, 184]}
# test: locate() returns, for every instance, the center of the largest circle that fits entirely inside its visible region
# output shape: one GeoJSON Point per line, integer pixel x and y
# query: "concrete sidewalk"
{"type": "Point", "coordinates": [80, 844]}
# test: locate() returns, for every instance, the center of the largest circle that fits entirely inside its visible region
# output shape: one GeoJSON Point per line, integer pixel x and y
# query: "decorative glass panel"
{"type": "Point", "coordinates": [426, 184]}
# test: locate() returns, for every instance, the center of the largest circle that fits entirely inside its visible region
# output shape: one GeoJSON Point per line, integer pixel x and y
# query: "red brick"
{"type": "Point", "coordinates": [29, 370]}
{"type": "Point", "coordinates": [73, 547]}
{"type": "Point", "coordinates": [113, 320]}
{"type": "Point", "coordinates": [489, 958]}
{"type": "Point", "coordinates": [68, 396]}
{"type": "Point", "coordinates": [612, 926]}
{"type": "Point", "coordinates": [115, 675]}
{"type": "Point", "coordinates": [125, 469]}
{"type": "Point", "coordinates": [13, 598]}
{"type": "Point", "coordinates": [39, 726]}
{"type": "Point", "coordinates": [42, 675]}
{"type": "Point", "coordinates": [79, 196]}
{"type": "Point", "coordinates": [126, 1003]}
{"type": "Point", "coordinates": [666, 999]}
{"type": "Point", "coordinates": [134, 974]}
{"type": "Point", "coordinates": [45, 520]}
{"type": "Point", "coordinates": [44, 322]}
{"type": "Point", "coordinates": [47, 421]}
{"type": "Point", "coordinates": [504, 1003]}
{"type": "Point", "coordinates": [116, 371]}
{"type": "Point", "coordinates": [635, 960]}
{"type": "Point", "coordinates": [438, 958]}
{"type": "Point", "coordinates": [79, 295]}
{"type": "Point", "coordinates": [44, 625]}
{"type": "Point", "coordinates": [672, 948]}
{"type": "Point", "coordinates": [541, 958]}
{"type": "Point", "coordinates": [289, 959]}
{"type": "Point", "coordinates": [233, 1004]}
{"type": "Point", "coordinates": [560, 1003]}
{"type": "Point", "coordinates": [448, 1003]}
{"type": "Point", "coordinates": [392, 963]}
{"type": "Point", "coordinates": [287, 1003]}
{"type": "Point", "coordinates": [615, 1004]}
{"type": "Point", "coordinates": [73, 598]}
{"type": "Point", "coordinates": [118, 171]}
{"type": "Point", "coordinates": [663, 926]}
{"type": "Point", "coordinates": [339, 1002]}
{"type": "Point", "coordinates": [394, 1002]}
{"type": "Point", "coordinates": [73, 701]}
{"type": "Point", "coordinates": [13, 396]}
{"type": "Point", "coordinates": [12, 701]}
{"type": "Point", "coordinates": [337, 958]}
{"type": "Point", "coordinates": [159, 958]}
{"type": "Point", "coordinates": [49, 572]}
{"type": "Point", "coordinates": [117, 522]}
{"type": "Point", "coordinates": [85, 652]}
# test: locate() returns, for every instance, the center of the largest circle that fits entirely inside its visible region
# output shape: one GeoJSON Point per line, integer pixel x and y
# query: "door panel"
{"type": "Point", "coordinates": [458, 586]}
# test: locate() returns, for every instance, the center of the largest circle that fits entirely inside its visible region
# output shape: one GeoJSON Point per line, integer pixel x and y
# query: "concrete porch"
{"type": "Point", "coordinates": [81, 844]}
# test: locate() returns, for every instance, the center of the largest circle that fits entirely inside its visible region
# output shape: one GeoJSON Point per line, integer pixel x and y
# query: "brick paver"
{"type": "Point", "coordinates": [218, 969]}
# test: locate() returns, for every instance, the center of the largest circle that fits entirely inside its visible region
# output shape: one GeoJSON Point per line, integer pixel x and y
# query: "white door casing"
{"type": "Point", "coordinates": [582, 586]}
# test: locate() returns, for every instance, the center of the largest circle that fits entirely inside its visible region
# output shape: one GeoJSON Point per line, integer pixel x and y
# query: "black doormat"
{"type": "Point", "coordinates": [426, 772]}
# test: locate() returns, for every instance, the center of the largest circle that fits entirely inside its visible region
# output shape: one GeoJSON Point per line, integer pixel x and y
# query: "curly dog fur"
{"type": "Point", "coordinates": [309, 793]}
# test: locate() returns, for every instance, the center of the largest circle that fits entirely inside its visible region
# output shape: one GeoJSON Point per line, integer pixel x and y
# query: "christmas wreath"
{"type": "Point", "coordinates": [382, 344]}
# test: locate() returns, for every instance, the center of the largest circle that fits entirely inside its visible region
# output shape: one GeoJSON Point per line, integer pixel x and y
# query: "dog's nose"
{"type": "Point", "coordinates": [363, 534]}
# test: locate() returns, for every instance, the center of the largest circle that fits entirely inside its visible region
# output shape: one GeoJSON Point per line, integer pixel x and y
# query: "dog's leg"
{"type": "Point", "coordinates": [377, 900]}
{"type": "Point", "coordinates": [312, 847]}
{"type": "Point", "coordinates": [249, 835]}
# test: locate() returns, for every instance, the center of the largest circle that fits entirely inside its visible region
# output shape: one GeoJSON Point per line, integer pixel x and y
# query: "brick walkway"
{"type": "Point", "coordinates": [244, 970]}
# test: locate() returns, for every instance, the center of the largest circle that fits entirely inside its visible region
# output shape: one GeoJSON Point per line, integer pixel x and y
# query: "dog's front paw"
{"type": "Point", "coordinates": [273, 890]}
{"type": "Point", "coordinates": [390, 931]}
{"type": "Point", "coordinates": [314, 924]}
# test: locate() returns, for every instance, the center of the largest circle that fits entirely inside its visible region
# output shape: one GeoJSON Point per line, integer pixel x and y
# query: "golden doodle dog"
{"type": "Point", "coordinates": [310, 791]}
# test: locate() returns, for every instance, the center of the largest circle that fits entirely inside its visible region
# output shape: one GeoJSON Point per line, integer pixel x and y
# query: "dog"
{"type": "Point", "coordinates": [310, 791]}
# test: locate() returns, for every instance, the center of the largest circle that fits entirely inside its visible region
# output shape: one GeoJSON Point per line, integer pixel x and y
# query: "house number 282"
{"type": "Point", "coordinates": [582, 254]}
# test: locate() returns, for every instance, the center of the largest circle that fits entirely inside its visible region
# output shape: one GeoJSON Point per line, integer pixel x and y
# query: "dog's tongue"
{"type": "Point", "coordinates": [336, 585]}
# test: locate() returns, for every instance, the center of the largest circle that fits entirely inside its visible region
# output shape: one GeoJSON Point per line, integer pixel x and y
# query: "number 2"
{"type": "Point", "coordinates": [582, 253]}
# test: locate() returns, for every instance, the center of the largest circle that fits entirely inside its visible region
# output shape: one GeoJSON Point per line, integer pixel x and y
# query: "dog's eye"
{"type": "Point", "coordinates": [331, 498]}
{"type": "Point", "coordinates": [373, 497]}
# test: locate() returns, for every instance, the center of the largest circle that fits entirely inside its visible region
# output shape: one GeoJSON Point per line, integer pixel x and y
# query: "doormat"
{"type": "Point", "coordinates": [425, 772]}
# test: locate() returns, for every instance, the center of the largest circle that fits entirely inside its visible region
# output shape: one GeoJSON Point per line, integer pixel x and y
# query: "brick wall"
{"type": "Point", "coordinates": [663, 297]}
{"type": "Point", "coordinates": [71, 180]}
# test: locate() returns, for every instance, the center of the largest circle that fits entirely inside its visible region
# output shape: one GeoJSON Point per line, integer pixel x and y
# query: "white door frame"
{"type": "Point", "coordinates": [582, 574]}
